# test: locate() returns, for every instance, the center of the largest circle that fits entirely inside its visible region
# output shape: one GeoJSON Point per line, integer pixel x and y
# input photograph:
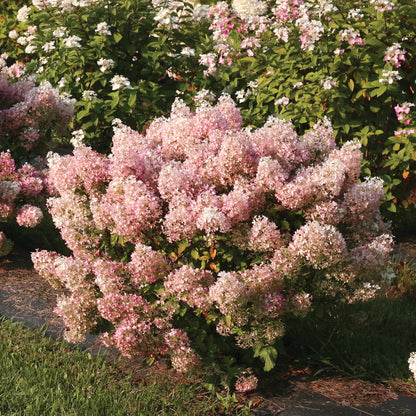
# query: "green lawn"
{"type": "Point", "coordinates": [39, 376]}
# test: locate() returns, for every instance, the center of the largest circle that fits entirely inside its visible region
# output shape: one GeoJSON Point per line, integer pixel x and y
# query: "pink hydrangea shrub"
{"type": "Point", "coordinates": [20, 190]}
{"type": "Point", "coordinates": [199, 218]}
{"type": "Point", "coordinates": [29, 112]}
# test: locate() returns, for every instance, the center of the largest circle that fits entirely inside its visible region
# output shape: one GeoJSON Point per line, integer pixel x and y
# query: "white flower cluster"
{"type": "Point", "coordinates": [77, 138]}
{"type": "Point", "coordinates": [203, 96]}
{"type": "Point", "coordinates": [63, 5]}
{"type": "Point", "coordinates": [60, 32]}
{"type": "Point", "coordinates": [119, 82]}
{"type": "Point", "coordinates": [328, 83]}
{"type": "Point", "coordinates": [103, 29]}
{"type": "Point", "coordinates": [72, 42]}
{"type": "Point", "coordinates": [23, 13]}
{"type": "Point", "coordinates": [355, 14]}
{"type": "Point", "coordinates": [249, 8]}
{"type": "Point", "coordinates": [412, 364]}
{"type": "Point", "coordinates": [383, 5]}
{"type": "Point", "coordinates": [3, 58]}
{"type": "Point", "coordinates": [166, 17]}
{"type": "Point", "coordinates": [49, 46]}
{"type": "Point", "coordinates": [242, 95]}
{"type": "Point", "coordinates": [284, 101]}
{"type": "Point", "coordinates": [105, 64]}
{"type": "Point", "coordinates": [89, 95]}
{"type": "Point", "coordinates": [187, 51]}
{"type": "Point", "coordinates": [200, 12]}
{"type": "Point", "coordinates": [388, 77]}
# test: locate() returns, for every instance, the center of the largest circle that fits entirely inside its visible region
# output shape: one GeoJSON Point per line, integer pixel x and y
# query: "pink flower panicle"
{"type": "Point", "coordinates": [395, 55]}
{"type": "Point", "coordinates": [29, 216]}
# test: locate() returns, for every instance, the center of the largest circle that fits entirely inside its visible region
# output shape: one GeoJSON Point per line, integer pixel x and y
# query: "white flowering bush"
{"type": "Point", "coordinates": [122, 60]}
{"type": "Point", "coordinates": [196, 239]}
{"type": "Point", "coordinates": [352, 62]}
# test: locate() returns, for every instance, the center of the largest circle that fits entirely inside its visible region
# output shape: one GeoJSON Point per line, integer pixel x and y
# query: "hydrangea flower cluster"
{"type": "Point", "coordinates": [200, 218]}
{"type": "Point", "coordinates": [395, 54]}
{"type": "Point", "coordinates": [253, 19]}
{"type": "Point", "coordinates": [29, 112]}
{"type": "Point", "coordinates": [19, 190]}
{"type": "Point", "coordinates": [412, 364]}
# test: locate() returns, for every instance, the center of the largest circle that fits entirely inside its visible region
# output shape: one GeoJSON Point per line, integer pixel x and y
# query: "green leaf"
{"type": "Point", "coordinates": [183, 245]}
{"type": "Point", "coordinates": [351, 84]}
{"type": "Point", "coordinates": [268, 355]}
{"type": "Point", "coordinates": [132, 100]}
{"type": "Point", "coordinates": [81, 114]}
{"type": "Point", "coordinates": [377, 92]}
{"type": "Point", "coordinates": [391, 207]}
{"type": "Point", "coordinates": [117, 37]}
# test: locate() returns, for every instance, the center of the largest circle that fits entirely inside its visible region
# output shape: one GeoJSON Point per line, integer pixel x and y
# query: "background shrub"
{"type": "Point", "coordinates": [117, 59]}
{"type": "Point", "coordinates": [29, 114]}
{"type": "Point", "coordinates": [352, 62]}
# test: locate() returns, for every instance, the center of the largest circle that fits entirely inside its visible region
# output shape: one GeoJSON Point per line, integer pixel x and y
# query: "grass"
{"type": "Point", "coordinates": [40, 376]}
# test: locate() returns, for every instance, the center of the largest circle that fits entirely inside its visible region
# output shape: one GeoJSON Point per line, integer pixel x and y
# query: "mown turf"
{"type": "Point", "coordinates": [39, 376]}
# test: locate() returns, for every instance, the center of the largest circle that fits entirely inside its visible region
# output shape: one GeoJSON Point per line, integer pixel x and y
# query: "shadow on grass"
{"type": "Point", "coordinates": [370, 340]}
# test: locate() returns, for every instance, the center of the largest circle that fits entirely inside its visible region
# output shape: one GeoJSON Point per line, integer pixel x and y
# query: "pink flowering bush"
{"type": "Point", "coordinates": [29, 113]}
{"type": "Point", "coordinates": [352, 62]}
{"type": "Point", "coordinates": [196, 239]}
{"type": "Point", "coordinates": [22, 194]}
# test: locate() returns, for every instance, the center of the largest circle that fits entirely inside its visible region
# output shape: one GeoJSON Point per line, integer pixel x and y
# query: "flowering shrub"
{"type": "Point", "coordinates": [118, 59]}
{"type": "Point", "coordinates": [20, 188]}
{"type": "Point", "coordinates": [29, 113]}
{"type": "Point", "coordinates": [196, 239]}
{"type": "Point", "coordinates": [352, 62]}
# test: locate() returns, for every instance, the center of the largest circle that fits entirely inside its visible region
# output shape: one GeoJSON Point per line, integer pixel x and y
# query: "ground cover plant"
{"type": "Point", "coordinates": [42, 376]}
{"type": "Point", "coordinates": [196, 239]}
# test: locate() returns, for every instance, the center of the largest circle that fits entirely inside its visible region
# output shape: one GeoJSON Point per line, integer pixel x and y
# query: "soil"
{"type": "Point", "coordinates": [27, 298]}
